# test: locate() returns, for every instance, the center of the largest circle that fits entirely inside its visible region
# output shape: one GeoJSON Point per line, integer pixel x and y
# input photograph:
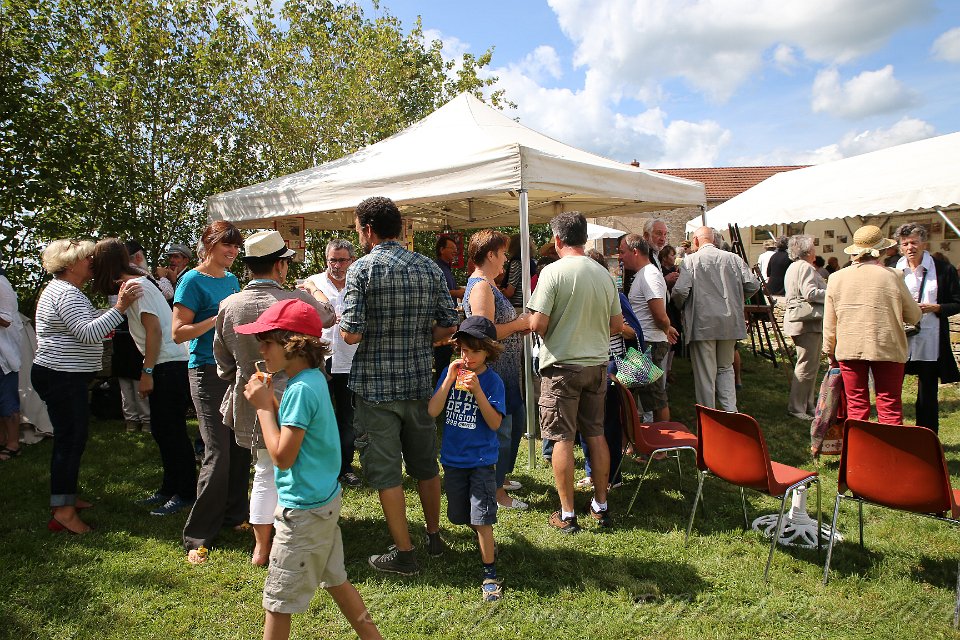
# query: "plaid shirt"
{"type": "Point", "coordinates": [392, 297]}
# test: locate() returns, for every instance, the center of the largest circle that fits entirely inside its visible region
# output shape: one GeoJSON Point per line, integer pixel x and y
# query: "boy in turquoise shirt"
{"type": "Point", "coordinates": [302, 438]}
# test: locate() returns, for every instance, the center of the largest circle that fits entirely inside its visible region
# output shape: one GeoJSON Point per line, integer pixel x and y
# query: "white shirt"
{"type": "Point", "coordinates": [648, 285]}
{"type": "Point", "coordinates": [152, 302]}
{"type": "Point", "coordinates": [342, 353]}
{"type": "Point", "coordinates": [764, 261]}
{"type": "Point", "coordinates": [9, 336]}
{"type": "Point", "coordinates": [924, 346]}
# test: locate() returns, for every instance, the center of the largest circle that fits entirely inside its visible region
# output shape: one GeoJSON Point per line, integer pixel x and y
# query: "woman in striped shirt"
{"type": "Point", "coordinates": [70, 336]}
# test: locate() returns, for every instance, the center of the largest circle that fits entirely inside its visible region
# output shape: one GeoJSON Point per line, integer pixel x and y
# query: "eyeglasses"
{"type": "Point", "coordinates": [340, 260]}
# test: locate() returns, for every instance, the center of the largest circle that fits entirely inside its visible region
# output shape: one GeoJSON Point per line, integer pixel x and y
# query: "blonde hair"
{"type": "Point", "coordinates": [61, 254]}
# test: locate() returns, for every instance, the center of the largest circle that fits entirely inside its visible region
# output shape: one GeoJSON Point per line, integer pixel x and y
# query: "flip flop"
{"type": "Point", "coordinates": [520, 505]}
{"type": "Point", "coordinates": [197, 556]}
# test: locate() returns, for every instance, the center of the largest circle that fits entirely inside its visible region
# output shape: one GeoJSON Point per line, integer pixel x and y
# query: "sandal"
{"type": "Point", "coordinates": [492, 590]}
{"type": "Point", "coordinates": [9, 454]}
{"type": "Point", "coordinates": [197, 556]}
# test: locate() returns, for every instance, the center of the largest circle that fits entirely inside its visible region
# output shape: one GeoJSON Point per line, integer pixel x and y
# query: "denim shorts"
{"type": "Point", "coordinates": [471, 495]}
{"type": "Point", "coordinates": [9, 394]}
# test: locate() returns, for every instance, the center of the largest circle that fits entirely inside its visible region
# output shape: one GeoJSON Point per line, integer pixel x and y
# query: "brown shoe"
{"type": "Point", "coordinates": [564, 525]}
{"type": "Point", "coordinates": [602, 517]}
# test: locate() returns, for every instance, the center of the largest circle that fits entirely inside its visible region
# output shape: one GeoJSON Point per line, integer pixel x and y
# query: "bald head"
{"type": "Point", "coordinates": [703, 235]}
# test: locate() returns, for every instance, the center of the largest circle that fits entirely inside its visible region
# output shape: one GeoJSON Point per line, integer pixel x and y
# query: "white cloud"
{"type": "Point", "coordinates": [851, 144]}
{"type": "Point", "coordinates": [869, 93]}
{"type": "Point", "coordinates": [785, 57]}
{"type": "Point", "coordinates": [541, 64]}
{"type": "Point", "coordinates": [590, 118]}
{"type": "Point", "coordinates": [947, 46]}
{"type": "Point", "coordinates": [717, 45]}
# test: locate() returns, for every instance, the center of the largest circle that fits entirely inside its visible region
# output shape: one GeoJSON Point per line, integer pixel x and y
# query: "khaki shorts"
{"type": "Point", "coordinates": [393, 435]}
{"type": "Point", "coordinates": [571, 399]}
{"type": "Point", "coordinates": [652, 397]}
{"type": "Point", "coordinates": [307, 554]}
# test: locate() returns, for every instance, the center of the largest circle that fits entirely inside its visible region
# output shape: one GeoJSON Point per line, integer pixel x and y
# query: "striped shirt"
{"type": "Point", "coordinates": [393, 296]}
{"type": "Point", "coordinates": [69, 333]}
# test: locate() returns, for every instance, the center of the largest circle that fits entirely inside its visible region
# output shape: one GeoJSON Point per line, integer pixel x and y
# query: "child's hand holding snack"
{"type": "Point", "coordinates": [259, 393]}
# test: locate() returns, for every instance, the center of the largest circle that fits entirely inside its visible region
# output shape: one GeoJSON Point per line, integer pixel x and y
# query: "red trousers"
{"type": "Point", "coordinates": [888, 381]}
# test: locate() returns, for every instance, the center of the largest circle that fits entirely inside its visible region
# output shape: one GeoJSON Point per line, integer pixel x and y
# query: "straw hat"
{"type": "Point", "coordinates": [869, 239]}
{"type": "Point", "coordinates": [264, 246]}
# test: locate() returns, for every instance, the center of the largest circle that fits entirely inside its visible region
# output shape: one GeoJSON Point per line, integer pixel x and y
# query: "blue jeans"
{"type": "Point", "coordinates": [612, 433]}
{"type": "Point", "coordinates": [68, 402]}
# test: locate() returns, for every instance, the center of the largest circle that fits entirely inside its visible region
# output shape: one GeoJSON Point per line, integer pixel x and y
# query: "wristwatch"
{"type": "Point", "coordinates": [148, 370]}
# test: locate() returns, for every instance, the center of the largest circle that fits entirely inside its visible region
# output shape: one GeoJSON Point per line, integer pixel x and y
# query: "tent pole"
{"type": "Point", "coordinates": [948, 221]}
{"type": "Point", "coordinates": [527, 339]}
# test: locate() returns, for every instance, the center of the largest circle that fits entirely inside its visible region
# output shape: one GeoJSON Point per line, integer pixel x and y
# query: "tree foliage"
{"type": "Point", "coordinates": [120, 116]}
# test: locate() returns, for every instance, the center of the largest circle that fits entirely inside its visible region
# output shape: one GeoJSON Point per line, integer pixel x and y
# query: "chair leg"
{"type": "Point", "coordinates": [640, 484]}
{"type": "Point", "coordinates": [679, 472]}
{"type": "Point", "coordinates": [776, 536]}
{"type": "Point", "coordinates": [743, 503]}
{"type": "Point", "coordinates": [819, 520]}
{"type": "Point", "coordinates": [956, 607]}
{"type": "Point", "coordinates": [860, 512]}
{"type": "Point", "coordinates": [833, 532]}
{"type": "Point", "coordinates": [696, 499]}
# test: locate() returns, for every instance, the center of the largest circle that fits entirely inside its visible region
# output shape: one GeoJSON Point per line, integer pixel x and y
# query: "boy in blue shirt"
{"type": "Point", "coordinates": [472, 397]}
{"type": "Point", "coordinates": [308, 549]}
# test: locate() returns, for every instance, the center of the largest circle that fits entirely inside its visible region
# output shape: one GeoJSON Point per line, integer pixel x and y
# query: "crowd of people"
{"type": "Point", "coordinates": [364, 358]}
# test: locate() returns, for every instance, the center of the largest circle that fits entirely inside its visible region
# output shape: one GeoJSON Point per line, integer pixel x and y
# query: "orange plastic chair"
{"type": "Point", "coordinates": [651, 439]}
{"type": "Point", "coordinates": [733, 449]}
{"type": "Point", "coordinates": [901, 468]}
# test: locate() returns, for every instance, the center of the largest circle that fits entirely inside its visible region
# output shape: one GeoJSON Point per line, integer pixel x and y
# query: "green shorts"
{"type": "Point", "coordinates": [307, 553]}
{"type": "Point", "coordinates": [394, 434]}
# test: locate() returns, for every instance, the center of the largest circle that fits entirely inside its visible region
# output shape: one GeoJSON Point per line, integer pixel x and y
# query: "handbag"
{"type": "Point", "coordinates": [914, 329]}
{"type": "Point", "coordinates": [799, 310]}
{"type": "Point", "coordinates": [637, 368]}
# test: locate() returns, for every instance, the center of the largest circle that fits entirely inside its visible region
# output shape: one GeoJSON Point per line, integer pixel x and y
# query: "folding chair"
{"type": "Point", "coordinates": [733, 449]}
{"type": "Point", "coordinates": [896, 467]}
{"type": "Point", "coordinates": [651, 439]}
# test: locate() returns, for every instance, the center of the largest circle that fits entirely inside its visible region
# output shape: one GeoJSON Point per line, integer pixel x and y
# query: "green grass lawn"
{"type": "Point", "coordinates": [129, 579]}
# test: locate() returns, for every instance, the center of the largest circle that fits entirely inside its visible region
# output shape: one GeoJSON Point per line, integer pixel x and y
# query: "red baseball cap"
{"type": "Point", "coordinates": [289, 315]}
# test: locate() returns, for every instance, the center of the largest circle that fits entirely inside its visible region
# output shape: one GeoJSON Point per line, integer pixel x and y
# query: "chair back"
{"type": "Point", "coordinates": [629, 415]}
{"type": "Point", "coordinates": [732, 448]}
{"type": "Point", "coordinates": [895, 466]}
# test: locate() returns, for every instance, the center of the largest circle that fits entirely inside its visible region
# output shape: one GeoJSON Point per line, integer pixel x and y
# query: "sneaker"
{"type": "Point", "coordinates": [350, 479]}
{"type": "Point", "coordinates": [145, 427]}
{"type": "Point", "coordinates": [584, 483]}
{"type": "Point", "coordinates": [602, 517]}
{"type": "Point", "coordinates": [435, 545]}
{"type": "Point", "coordinates": [172, 506]}
{"type": "Point", "coordinates": [154, 500]}
{"type": "Point", "coordinates": [615, 485]}
{"type": "Point", "coordinates": [511, 485]}
{"type": "Point", "coordinates": [132, 426]}
{"type": "Point", "coordinates": [564, 525]}
{"type": "Point", "coordinates": [396, 561]}
{"type": "Point", "coordinates": [492, 590]}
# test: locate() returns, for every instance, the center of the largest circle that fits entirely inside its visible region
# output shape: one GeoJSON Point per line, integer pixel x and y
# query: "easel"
{"type": "Point", "coordinates": [759, 315]}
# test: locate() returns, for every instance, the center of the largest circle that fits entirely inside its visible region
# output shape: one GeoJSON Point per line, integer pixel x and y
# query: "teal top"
{"type": "Point", "coordinates": [203, 294]}
{"type": "Point", "coordinates": [311, 481]}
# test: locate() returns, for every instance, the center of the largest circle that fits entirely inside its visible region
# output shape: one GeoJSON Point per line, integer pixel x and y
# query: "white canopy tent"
{"type": "Point", "coordinates": [464, 166]}
{"type": "Point", "coordinates": [912, 177]}
{"type": "Point", "coordinates": [598, 232]}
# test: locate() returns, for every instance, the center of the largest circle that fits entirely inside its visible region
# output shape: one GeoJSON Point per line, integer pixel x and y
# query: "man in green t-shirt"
{"type": "Point", "coordinates": [576, 307]}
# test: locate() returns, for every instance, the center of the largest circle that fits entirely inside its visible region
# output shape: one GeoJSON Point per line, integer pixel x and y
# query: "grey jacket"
{"type": "Point", "coordinates": [803, 282]}
{"type": "Point", "coordinates": [236, 354]}
{"type": "Point", "coordinates": [711, 290]}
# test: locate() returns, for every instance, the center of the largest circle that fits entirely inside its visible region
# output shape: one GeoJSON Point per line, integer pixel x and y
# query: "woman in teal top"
{"type": "Point", "coordinates": [223, 480]}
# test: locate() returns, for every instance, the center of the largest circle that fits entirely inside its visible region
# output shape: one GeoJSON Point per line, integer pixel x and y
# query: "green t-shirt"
{"type": "Point", "coordinates": [580, 298]}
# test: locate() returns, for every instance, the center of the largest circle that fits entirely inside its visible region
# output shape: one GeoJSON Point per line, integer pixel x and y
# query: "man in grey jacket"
{"type": "Point", "coordinates": [711, 290]}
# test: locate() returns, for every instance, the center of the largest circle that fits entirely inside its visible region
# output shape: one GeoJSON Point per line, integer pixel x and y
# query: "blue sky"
{"type": "Point", "coordinates": [696, 83]}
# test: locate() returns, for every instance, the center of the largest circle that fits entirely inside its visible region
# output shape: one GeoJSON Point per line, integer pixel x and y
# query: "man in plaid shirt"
{"type": "Point", "coordinates": [396, 304]}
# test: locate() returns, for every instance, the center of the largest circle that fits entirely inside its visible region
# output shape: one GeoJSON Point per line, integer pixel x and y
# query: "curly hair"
{"type": "Point", "coordinates": [61, 254]}
{"type": "Point", "coordinates": [310, 348]}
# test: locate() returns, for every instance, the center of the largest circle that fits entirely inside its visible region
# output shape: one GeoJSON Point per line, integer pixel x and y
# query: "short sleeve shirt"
{"type": "Point", "coordinates": [468, 441]}
{"type": "Point", "coordinates": [648, 285]}
{"type": "Point", "coordinates": [393, 297]}
{"type": "Point", "coordinates": [202, 294]}
{"type": "Point", "coordinates": [152, 302]}
{"type": "Point", "coordinates": [311, 481]}
{"type": "Point", "coordinates": [580, 298]}
{"type": "Point", "coordinates": [341, 355]}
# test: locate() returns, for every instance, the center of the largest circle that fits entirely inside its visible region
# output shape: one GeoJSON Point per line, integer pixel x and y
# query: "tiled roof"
{"type": "Point", "coordinates": [724, 183]}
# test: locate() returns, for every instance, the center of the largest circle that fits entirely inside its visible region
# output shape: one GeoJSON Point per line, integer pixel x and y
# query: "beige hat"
{"type": "Point", "coordinates": [869, 239]}
{"type": "Point", "coordinates": [264, 246]}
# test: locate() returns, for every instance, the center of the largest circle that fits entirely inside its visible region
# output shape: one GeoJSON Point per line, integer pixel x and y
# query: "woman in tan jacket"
{"type": "Point", "coordinates": [802, 282]}
{"type": "Point", "coordinates": [866, 307]}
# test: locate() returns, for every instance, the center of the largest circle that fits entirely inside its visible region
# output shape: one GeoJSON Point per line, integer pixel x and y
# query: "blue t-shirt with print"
{"type": "Point", "coordinates": [203, 294]}
{"type": "Point", "coordinates": [468, 442]}
{"type": "Point", "coordinates": [311, 481]}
